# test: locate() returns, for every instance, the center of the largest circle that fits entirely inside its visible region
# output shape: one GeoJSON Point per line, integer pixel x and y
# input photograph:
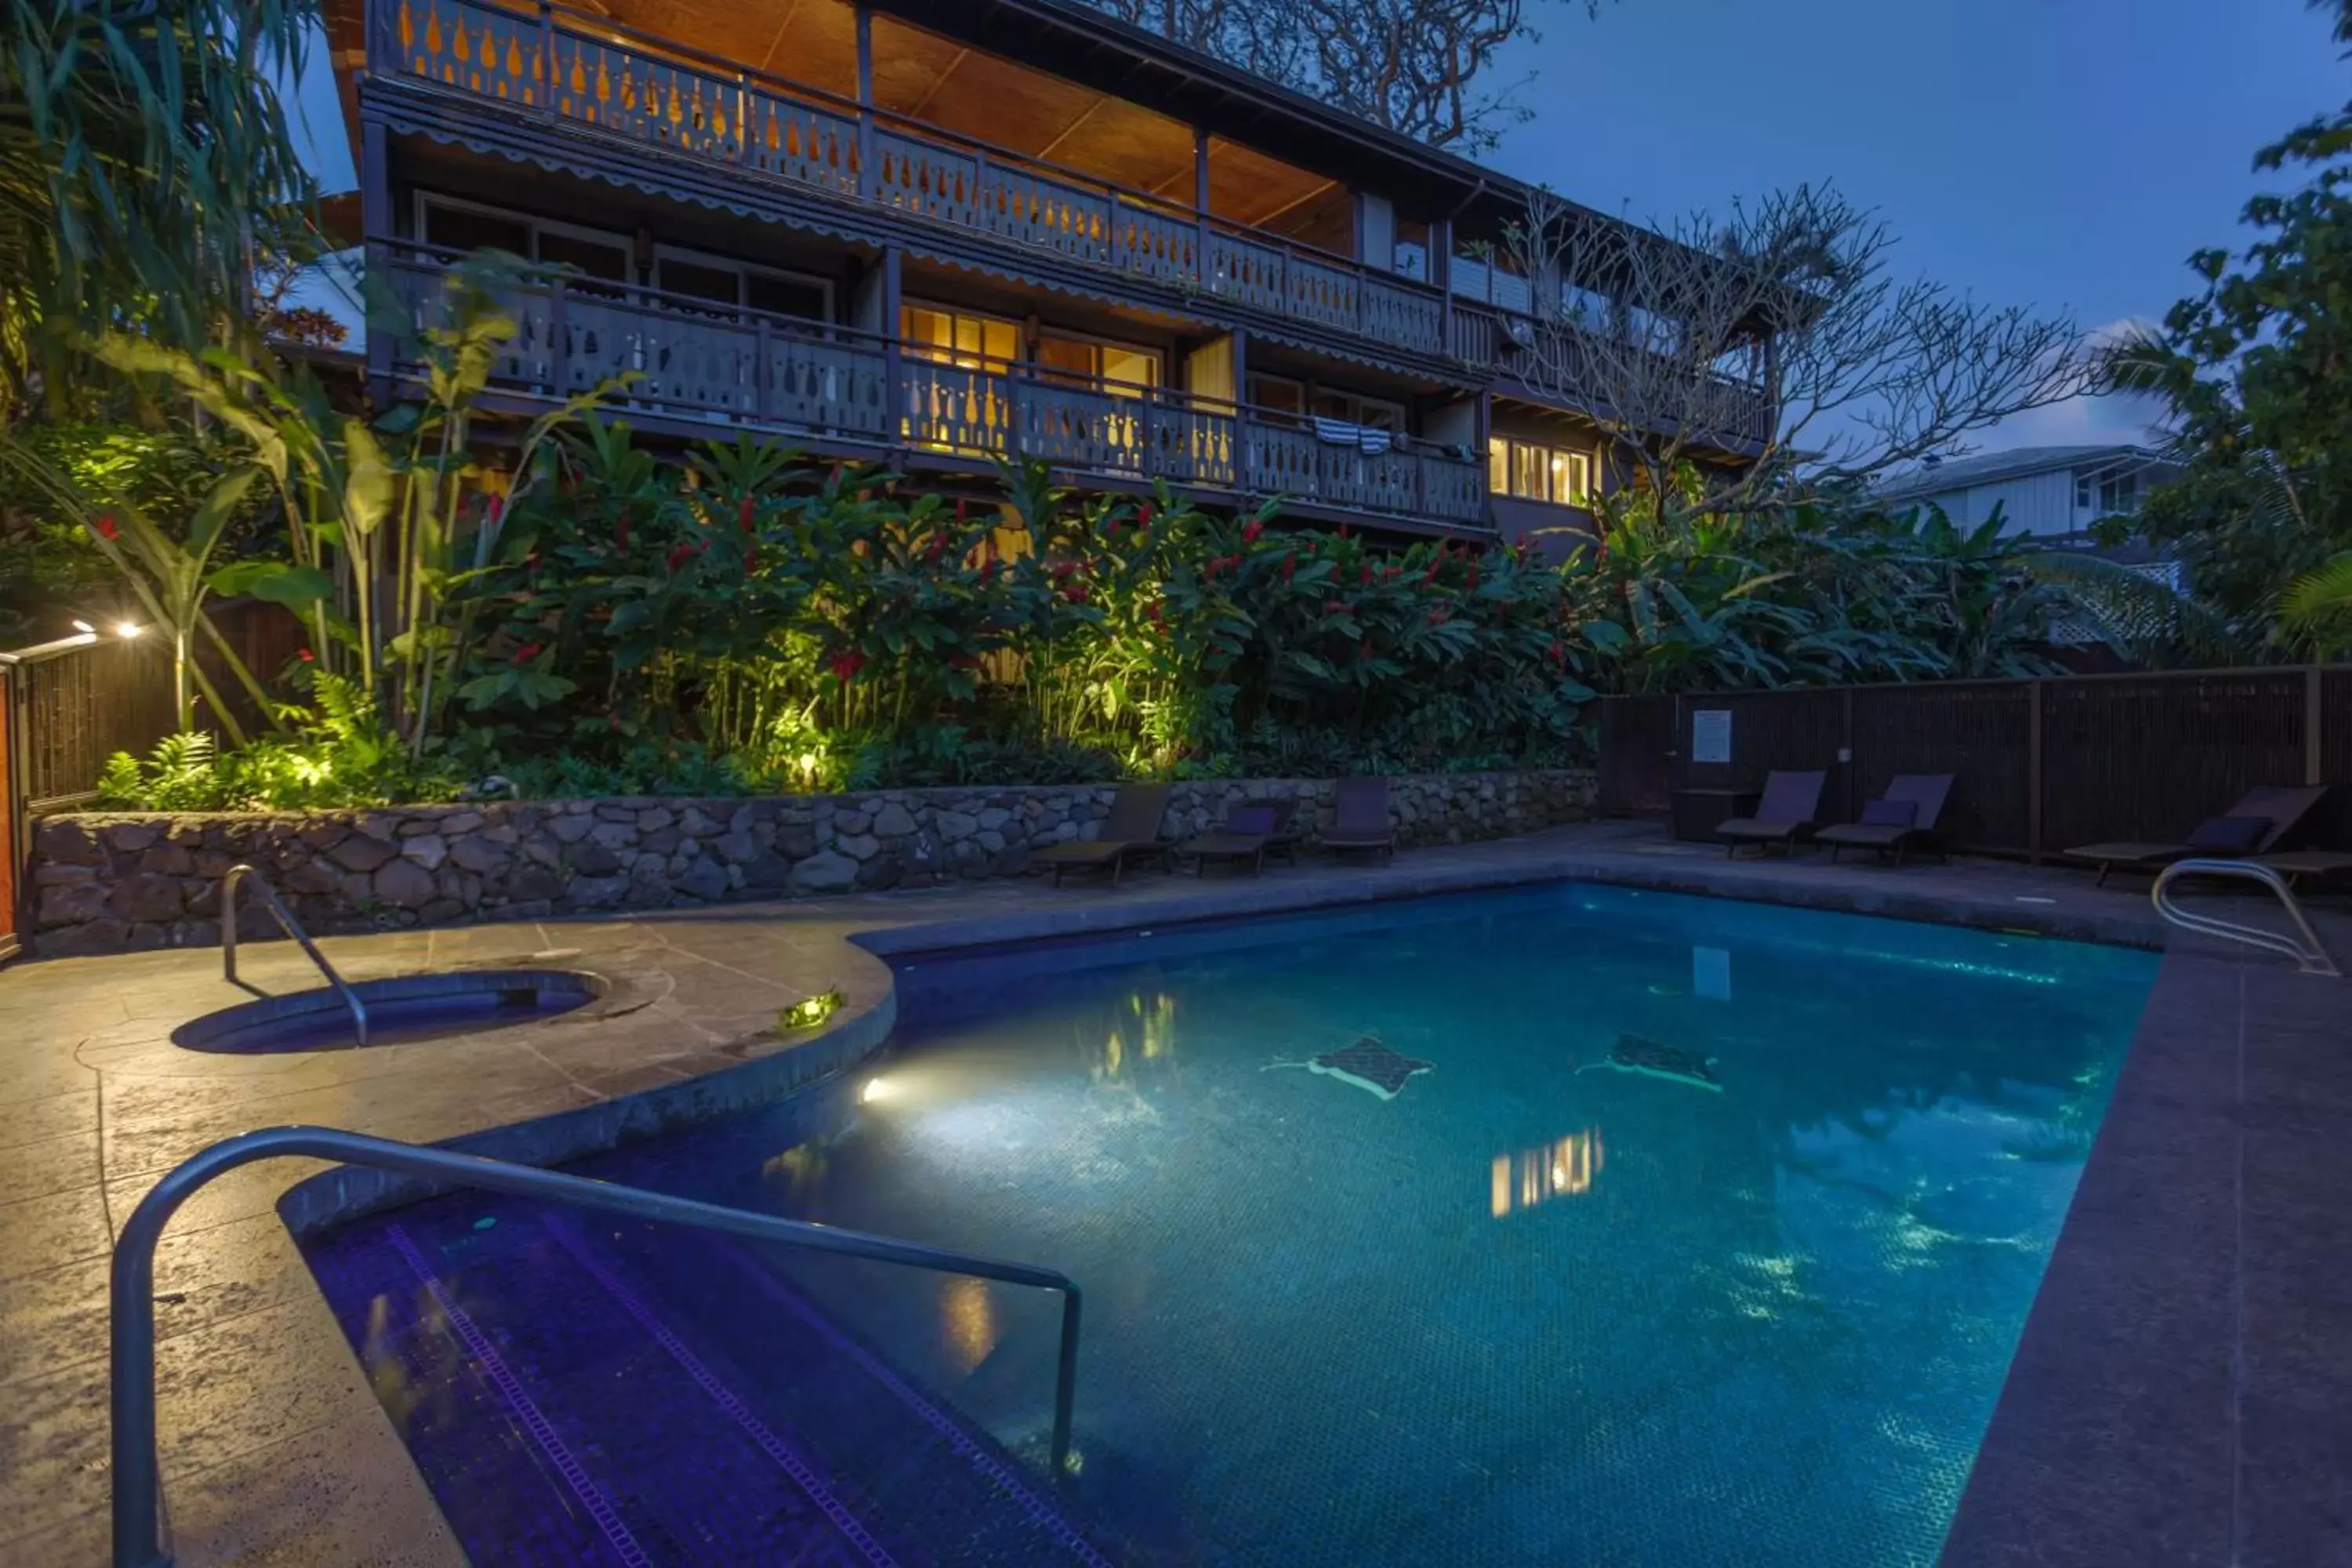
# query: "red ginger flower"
{"type": "Point", "coordinates": [1334, 608]}
{"type": "Point", "coordinates": [743, 515]}
{"type": "Point", "coordinates": [529, 651]}
{"type": "Point", "coordinates": [108, 528]}
{"type": "Point", "coordinates": [1251, 530]}
{"type": "Point", "coordinates": [305, 655]}
{"type": "Point", "coordinates": [846, 664]}
{"type": "Point", "coordinates": [679, 555]}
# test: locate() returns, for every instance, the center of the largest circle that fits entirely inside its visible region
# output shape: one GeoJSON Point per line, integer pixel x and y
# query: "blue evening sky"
{"type": "Point", "coordinates": [2069, 153]}
{"type": "Point", "coordinates": [2065, 153]}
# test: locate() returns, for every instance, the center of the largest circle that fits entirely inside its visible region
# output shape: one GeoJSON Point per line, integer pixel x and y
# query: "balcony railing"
{"type": "Point", "coordinates": [586, 71]}
{"type": "Point", "coordinates": [689, 359]}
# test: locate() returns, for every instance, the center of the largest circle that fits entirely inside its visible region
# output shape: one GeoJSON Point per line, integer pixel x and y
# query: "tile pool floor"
{"type": "Point", "coordinates": [2177, 1397]}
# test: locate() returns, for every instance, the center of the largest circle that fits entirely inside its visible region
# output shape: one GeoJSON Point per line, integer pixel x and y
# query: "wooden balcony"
{"type": "Point", "coordinates": [583, 71]}
{"type": "Point", "coordinates": [833, 389]}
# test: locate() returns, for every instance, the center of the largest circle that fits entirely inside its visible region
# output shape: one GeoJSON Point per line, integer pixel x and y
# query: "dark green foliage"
{"type": "Point", "coordinates": [2256, 369]}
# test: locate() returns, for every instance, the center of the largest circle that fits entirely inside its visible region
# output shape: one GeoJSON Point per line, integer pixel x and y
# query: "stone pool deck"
{"type": "Point", "coordinates": [2180, 1395]}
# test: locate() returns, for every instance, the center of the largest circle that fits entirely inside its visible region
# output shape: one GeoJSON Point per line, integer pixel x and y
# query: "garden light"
{"type": "Point", "coordinates": [126, 630]}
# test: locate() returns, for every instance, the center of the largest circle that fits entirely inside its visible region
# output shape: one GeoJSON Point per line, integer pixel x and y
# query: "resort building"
{"type": "Point", "coordinates": [951, 234]}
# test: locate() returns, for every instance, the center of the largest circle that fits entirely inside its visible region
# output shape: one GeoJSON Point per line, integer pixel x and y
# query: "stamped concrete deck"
{"type": "Point", "coordinates": [2232, 1117]}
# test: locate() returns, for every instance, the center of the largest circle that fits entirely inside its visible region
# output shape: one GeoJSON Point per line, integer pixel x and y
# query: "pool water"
{"type": "Point", "coordinates": [1751, 1306]}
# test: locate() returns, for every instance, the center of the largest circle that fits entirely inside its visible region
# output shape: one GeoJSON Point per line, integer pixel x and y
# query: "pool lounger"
{"type": "Point", "coordinates": [2263, 816]}
{"type": "Point", "coordinates": [1132, 831]}
{"type": "Point", "coordinates": [1791, 805]}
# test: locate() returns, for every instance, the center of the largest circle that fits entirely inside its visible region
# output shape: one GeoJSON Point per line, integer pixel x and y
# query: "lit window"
{"type": "Point", "coordinates": [1532, 471]}
{"type": "Point", "coordinates": [952, 337]}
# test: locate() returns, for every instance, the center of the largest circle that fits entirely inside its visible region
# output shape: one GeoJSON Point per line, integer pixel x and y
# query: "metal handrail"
{"type": "Point", "coordinates": [293, 928]}
{"type": "Point", "coordinates": [2310, 954]}
{"type": "Point", "coordinates": [138, 1491]}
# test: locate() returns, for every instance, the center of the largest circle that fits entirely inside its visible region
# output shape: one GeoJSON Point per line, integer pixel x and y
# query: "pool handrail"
{"type": "Point", "coordinates": [2310, 954]}
{"type": "Point", "coordinates": [137, 1505]}
{"type": "Point", "coordinates": [293, 928]}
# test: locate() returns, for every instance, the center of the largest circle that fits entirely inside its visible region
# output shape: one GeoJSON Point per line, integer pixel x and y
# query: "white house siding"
{"type": "Point", "coordinates": [2037, 503]}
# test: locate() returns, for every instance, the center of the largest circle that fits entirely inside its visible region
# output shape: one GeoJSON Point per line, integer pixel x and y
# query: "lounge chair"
{"type": "Point", "coordinates": [1360, 817]}
{"type": "Point", "coordinates": [2320, 864]}
{"type": "Point", "coordinates": [1132, 831]}
{"type": "Point", "coordinates": [1897, 821]}
{"type": "Point", "coordinates": [1791, 803]}
{"type": "Point", "coordinates": [1282, 844]}
{"type": "Point", "coordinates": [2266, 813]}
{"type": "Point", "coordinates": [1247, 834]}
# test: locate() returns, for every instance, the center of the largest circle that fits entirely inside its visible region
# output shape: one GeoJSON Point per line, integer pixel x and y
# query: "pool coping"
{"type": "Point", "coordinates": [2182, 1393]}
{"type": "Point", "coordinates": [857, 936]}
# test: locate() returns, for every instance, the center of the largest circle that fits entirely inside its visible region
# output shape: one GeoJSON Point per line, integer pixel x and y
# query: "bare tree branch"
{"type": "Point", "coordinates": [1420, 66]}
{"type": "Point", "coordinates": [1776, 338]}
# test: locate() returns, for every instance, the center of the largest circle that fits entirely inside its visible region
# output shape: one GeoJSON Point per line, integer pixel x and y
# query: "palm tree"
{"type": "Point", "coordinates": [145, 170]}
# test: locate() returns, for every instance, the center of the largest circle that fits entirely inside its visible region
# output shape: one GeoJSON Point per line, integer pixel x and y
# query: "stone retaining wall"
{"type": "Point", "coordinates": [116, 883]}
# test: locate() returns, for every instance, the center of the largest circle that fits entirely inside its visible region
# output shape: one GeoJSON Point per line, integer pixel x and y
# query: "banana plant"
{"type": "Point", "coordinates": [170, 578]}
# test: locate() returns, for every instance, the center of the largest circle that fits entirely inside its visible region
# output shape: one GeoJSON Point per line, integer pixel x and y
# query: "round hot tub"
{"type": "Point", "coordinates": [402, 1011]}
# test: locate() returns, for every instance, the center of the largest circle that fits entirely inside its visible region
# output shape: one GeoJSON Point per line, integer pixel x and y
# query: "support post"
{"type": "Point", "coordinates": [1201, 267]}
{"type": "Point", "coordinates": [893, 374]}
{"type": "Point", "coordinates": [1846, 755]}
{"type": "Point", "coordinates": [2313, 721]}
{"type": "Point", "coordinates": [559, 342]}
{"type": "Point", "coordinates": [764, 349]}
{"type": "Point", "coordinates": [376, 231]}
{"type": "Point", "coordinates": [2033, 776]}
{"type": "Point", "coordinates": [866, 182]}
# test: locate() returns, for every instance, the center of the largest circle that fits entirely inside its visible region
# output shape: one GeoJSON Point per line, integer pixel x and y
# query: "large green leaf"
{"type": "Point", "coordinates": [279, 581]}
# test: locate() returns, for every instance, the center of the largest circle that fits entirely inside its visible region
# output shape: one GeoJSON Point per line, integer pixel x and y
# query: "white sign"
{"type": "Point", "coordinates": [1711, 735]}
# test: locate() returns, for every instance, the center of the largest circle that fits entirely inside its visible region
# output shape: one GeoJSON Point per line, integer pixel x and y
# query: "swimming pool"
{"type": "Point", "coordinates": [1705, 1235]}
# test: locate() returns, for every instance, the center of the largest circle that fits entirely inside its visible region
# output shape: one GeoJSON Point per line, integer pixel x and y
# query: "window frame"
{"type": "Point", "coordinates": [535, 226]}
{"type": "Point", "coordinates": [744, 271]}
{"type": "Point", "coordinates": [1505, 452]}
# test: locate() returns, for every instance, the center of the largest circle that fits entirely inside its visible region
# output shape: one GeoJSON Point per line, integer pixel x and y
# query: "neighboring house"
{"type": "Point", "coordinates": [2048, 492]}
{"type": "Point", "coordinates": [942, 232]}
{"type": "Point", "coordinates": [2056, 494]}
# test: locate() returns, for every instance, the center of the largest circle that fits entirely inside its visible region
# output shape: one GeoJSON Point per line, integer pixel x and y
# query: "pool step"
{"type": "Point", "coordinates": [572, 1397]}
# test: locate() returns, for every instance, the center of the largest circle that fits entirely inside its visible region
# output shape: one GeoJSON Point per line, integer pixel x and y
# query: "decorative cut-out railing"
{"type": "Point", "coordinates": [687, 359]}
{"type": "Point", "coordinates": [593, 73]}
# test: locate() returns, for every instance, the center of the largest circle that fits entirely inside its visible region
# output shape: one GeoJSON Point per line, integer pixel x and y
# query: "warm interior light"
{"type": "Point", "coordinates": [85, 629]}
{"type": "Point", "coordinates": [126, 629]}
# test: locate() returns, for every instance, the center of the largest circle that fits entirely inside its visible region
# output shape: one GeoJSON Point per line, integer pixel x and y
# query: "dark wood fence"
{"type": "Point", "coordinates": [2038, 765]}
{"type": "Point", "coordinates": [74, 707]}
{"type": "Point", "coordinates": [77, 709]}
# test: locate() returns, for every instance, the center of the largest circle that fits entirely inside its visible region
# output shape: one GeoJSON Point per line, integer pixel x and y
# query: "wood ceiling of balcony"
{"type": "Point", "coordinates": [926, 77]}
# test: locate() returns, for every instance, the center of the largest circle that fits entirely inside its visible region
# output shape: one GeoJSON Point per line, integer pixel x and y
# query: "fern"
{"type": "Point", "coordinates": [183, 773]}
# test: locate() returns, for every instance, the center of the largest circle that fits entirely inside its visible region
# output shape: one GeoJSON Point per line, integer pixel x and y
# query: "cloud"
{"type": "Point", "coordinates": [2093, 419]}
